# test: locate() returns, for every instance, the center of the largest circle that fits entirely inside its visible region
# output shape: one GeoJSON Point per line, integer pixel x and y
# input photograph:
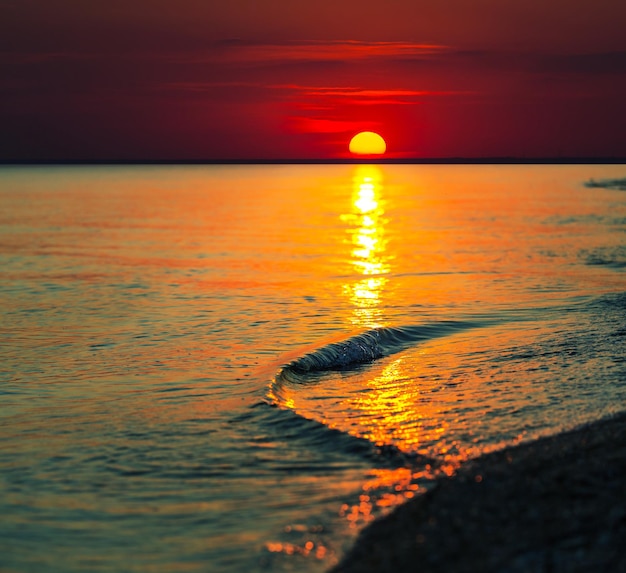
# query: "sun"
{"type": "Point", "coordinates": [367, 143]}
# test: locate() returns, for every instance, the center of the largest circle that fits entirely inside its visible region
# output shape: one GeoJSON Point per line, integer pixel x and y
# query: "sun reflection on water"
{"type": "Point", "coordinates": [366, 237]}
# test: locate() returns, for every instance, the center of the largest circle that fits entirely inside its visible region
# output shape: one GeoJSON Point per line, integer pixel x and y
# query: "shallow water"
{"type": "Point", "coordinates": [151, 317]}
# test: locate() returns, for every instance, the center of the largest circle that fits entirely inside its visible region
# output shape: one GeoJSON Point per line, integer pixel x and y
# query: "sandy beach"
{"type": "Point", "coordinates": [554, 505]}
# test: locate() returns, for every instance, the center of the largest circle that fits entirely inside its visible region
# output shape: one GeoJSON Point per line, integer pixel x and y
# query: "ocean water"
{"type": "Point", "coordinates": [234, 368]}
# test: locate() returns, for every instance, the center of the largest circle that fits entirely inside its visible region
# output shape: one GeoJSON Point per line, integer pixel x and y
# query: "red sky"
{"type": "Point", "coordinates": [272, 79]}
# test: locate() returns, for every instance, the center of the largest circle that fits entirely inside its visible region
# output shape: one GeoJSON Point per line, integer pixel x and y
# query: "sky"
{"type": "Point", "coordinates": [295, 79]}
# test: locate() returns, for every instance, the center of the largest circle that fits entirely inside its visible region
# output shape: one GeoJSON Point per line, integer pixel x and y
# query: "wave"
{"type": "Point", "coordinates": [350, 354]}
{"type": "Point", "coordinates": [617, 184]}
{"type": "Point", "coordinates": [613, 257]}
{"type": "Point", "coordinates": [369, 346]}
{"type": "Point", "coordinates": [302, 437]}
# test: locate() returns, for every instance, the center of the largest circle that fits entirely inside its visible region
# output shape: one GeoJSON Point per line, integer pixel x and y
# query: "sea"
{"type": "Point", "coordinates": [235, 368]}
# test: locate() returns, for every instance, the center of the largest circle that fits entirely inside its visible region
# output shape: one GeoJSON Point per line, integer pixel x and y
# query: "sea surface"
{"type": "Point", "coordinates": [235, 368]}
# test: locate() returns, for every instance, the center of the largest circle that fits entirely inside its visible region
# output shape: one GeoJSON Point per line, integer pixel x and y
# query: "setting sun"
{"type": "Point", "coordinates": [367, 143]}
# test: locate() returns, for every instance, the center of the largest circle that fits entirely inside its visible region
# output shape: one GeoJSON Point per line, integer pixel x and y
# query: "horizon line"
{"type": "Point", "coordinates": [505, 160]}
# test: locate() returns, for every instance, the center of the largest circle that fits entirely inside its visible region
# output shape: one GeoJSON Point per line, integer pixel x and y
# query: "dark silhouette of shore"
{"type": "Point", "coordinates": [554, 505]}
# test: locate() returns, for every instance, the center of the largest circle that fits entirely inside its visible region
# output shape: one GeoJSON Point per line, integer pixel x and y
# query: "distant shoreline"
{"type": "Point", "coordinates": [341, 161]}
{"type": "Point", "coordinates": [555, 504]}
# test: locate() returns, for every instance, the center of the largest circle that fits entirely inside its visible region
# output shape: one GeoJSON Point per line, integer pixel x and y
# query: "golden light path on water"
{"type": "Point", "coordinates": [370, 258]}
{"type": "Point", "coordinates": [383, 403]}
{"type": "Point", "coordinates": [366, 237]}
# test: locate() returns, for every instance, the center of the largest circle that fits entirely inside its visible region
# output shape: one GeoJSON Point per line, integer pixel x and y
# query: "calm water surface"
{"type": "Point", "coordinates": [158, 327]}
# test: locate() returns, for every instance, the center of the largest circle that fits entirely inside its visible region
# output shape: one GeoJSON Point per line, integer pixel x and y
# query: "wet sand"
{"type": "Point", "coordinates": [554, 505]}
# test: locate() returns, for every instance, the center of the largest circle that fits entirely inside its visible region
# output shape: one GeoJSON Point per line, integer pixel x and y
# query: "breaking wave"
{"type": "Point", "coordinates": [367, 347]}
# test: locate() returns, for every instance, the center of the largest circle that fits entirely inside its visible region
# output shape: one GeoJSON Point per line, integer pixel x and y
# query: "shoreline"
{"type": "Point", "coordinates": [554, 504]}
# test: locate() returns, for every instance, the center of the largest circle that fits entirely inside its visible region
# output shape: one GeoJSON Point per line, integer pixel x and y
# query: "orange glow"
{"type": "Point", "coordinates": [367, 143]}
